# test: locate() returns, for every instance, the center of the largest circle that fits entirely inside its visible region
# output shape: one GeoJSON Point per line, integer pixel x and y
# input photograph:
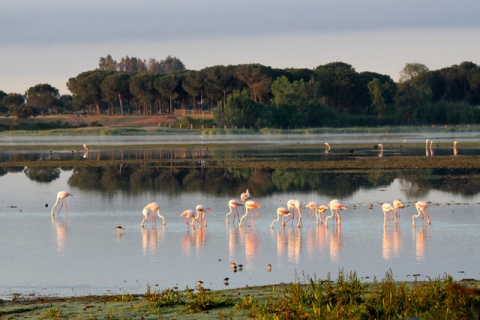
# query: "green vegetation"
{"type": "Point", "coordinates": [257, 96]}
{"type": "Point", "coordinates": [344, 298]}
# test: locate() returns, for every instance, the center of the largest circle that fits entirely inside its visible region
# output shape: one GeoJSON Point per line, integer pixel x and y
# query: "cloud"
{"type": "Point", "coordinates": [46, 22]}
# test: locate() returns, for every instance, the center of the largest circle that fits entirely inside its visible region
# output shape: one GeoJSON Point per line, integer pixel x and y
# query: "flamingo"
{"type": "Point", "coordinates": [321, 211]}
{"type": "Point", "coordinates": [335, 205]}
{"type": "Point", "coordinates": [397, 205]}
{"type": "Point", "coordinates": [61, 196]}
{"type": "Point", "coordinates": [387, 207]}
{"type": "Point", "coordinates": [189, 215]}
{"type": "Point", "coordinates": [380, 153]}
{"type": "Point", "coordinates": [427, 153]}
{"type": "Point", "coordinates": [201, 209]}
{"type": "Point", "coordinates": [422, 210]}
{"type": "Point", "coordinates": [294, 205]}
{"type": "Point", "coordinates": [281, 212]}
{"type": "Point", "coordinates": [233, 204]}
{"type": "Point", "coordinates": [245, 196]}
{"type": "Point", "coordinates": [327, 147]}
{"type": "Point", "coordinates": [431, 148]}
{"type": "Point", "coordinates": [250, 205]}
{"type": "Point", "coordinates": [455, 151]}
{"type": "Point", "coordinates": [152, 206]}
{"type": "Point", "coordinates": [85, 151]}
{"type": "Point", "coordinates": [313, 210]}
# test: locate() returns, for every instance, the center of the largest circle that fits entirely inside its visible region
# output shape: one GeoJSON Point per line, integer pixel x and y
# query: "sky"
{"type": "Point", "coordinates": [50, 41]}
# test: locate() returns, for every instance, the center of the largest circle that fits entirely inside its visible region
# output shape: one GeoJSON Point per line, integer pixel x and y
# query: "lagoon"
{"type": "Point", "coordinates": [82, 252]}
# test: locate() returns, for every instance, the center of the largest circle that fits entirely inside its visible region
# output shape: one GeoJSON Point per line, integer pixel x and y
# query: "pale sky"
{"type": "Point", "coordinates": [50, 41]}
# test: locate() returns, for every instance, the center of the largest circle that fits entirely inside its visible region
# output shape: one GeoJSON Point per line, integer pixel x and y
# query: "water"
{"type": "Point", "coordinates": [82, 252]}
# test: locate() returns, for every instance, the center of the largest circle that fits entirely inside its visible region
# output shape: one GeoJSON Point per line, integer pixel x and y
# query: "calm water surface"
{"type": "Point", "coordinates": [82, 252]}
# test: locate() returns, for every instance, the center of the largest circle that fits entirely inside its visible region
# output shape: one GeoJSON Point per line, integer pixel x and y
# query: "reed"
{"type": "Point", "coordinates": [348, 298]}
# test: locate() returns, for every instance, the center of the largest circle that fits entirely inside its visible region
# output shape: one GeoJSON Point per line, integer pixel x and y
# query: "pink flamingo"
{"type": "Point", "coordinates": [245, 196]}
{"type": "Point", "coordinates": [151, 207]}
{"type": "Point", "coordinates": [380, 153]}
{"type": "Point", "coordinates": [281, 212]}
{"type": "Point", "coordinates": [422, 210]}
{"type": "Point", "coordinates": [387, 207]}
{"type": "Point", "coordinates": [294, 205]}
{"type": "Point", "coordinates": [327, 147]}
{"type": "Point", "coordinates": [335, 205]}
{"type": "Point", "coordinates": [455, 151]}
{"type": "Point", "coordinates": [201, 209]}
{"type": "Point", "coordinates": [321, 211]}
{"type": "Point", "coordinates": [313, 210]}
{"type": "Point", "coordinates": [189, 215]}
{"type": "Point", "coordinates": [61, 197]}
{"type": "Point", "coordinates": [233, 204]}
{"type": "Point", "coordinates": [250, 205]}
{"type": "Point", "coordinates": [397, 205]}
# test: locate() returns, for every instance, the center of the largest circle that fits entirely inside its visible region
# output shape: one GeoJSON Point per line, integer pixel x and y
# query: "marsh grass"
{"type": "Point", "coordinates": [348, 298]}
{"type": "Point", "coordinates": [193, 302]}
{"type": "Point", "coordinates": [52, 312]}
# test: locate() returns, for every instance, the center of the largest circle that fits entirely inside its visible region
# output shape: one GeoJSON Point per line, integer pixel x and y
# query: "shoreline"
{"type": "Point", "coordinates": [150, 305]}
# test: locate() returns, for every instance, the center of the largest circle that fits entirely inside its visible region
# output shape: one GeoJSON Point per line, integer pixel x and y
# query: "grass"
{"type": "Point", "coordinates": [344, 298]}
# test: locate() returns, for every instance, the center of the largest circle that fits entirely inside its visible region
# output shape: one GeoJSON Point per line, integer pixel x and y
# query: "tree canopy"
{"type": "Point", "coordinates": [333, 94]}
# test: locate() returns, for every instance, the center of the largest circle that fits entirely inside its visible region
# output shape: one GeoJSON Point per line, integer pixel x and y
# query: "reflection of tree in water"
{"type": "Point", "coordinates": [222, 181]}
{"type": "Point", "coordinates": [463, 182]}
{"type": "Point", "coordinates": [42, 174]}
{"type": "Point", "coordinates": [14, 169]}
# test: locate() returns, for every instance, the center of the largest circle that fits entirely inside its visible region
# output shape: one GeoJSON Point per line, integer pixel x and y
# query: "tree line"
{"type": "Point", "coordinates": [254, 95]}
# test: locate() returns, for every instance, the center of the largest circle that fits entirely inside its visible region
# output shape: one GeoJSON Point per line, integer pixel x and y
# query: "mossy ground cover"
{"type": "Point", "coordinates": [344, 298]}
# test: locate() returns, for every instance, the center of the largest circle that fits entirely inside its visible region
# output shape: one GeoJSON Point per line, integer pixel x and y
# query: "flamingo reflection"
{"type": "Point", "coordinates": [334, 239]}
{"type": "Point", "coordinates": [60, 226]}
{"type": "Point", "coordinates": [391, 243]}
{"type": "Point", "coordinates": [289, 241]}
{"type": "Point", "coordinates": [420, 238]}
{"type": "Point", "coordinates": [151, 239]}
{"type": "Point", "coordinates": [249, 239]}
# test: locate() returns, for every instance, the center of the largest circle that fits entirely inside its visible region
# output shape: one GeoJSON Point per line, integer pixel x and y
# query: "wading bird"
{"type": "Point", "coordinates": [422, 210]}
{"type": "Point", "coordinates": [61, 197]}
{"type": "Point", "coordinates": [201, 209]}
{"type": "Point", "coordinates": [313, 210]}
{"type": "Point", "coordinates": [250, 205]}
{"type": "Point", "coordinates": [455, 151]}
{"type": "Point", "coordinates": [321, 213]}
{"type": "Point", "coordinates": [380, 153]}
{"type": "Point", "coordinates": [335, 205]}
{"type": "Point", "coordinates": [151, 207]}
{"type": "Point", "coordinates": [294, 205]}
{"type": "Point", "coordinates": [386, 208]}
{"type": "Point", "coordinates": [281, 212]}
{"type": "Point", "coordinates": [189, 215]}
{"type": "Point", "coordinates": [233, 205]}
{"type": "Point", "coordinates": [327, 147]}
{"type": "Point", "coordinates": [245, 196]}
{"type": "Point", "coordinates": [397, 205]}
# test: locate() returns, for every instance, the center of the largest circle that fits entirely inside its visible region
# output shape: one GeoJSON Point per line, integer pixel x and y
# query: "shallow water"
{"type": "Point", "coordinates": [82, 252]}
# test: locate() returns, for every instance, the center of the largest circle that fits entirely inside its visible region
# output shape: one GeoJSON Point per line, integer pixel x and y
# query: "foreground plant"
{"type": "Point", "coordinates": [348, 298]}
